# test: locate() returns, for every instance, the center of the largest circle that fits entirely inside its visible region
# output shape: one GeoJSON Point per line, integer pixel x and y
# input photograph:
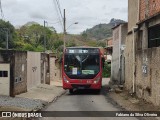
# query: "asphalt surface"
{"type": "Point", "coordinates": [84, 100]}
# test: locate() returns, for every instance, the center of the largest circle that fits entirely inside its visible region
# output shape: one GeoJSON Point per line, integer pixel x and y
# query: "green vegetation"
{"type": "Point", "coordinates": [31, 37]}
{"type": "Point", "coordinates": [4, 27]}
{"type": "Point", "coordinates": [101, 31]}
{"type": "Point", "coordinates": [106, 70]}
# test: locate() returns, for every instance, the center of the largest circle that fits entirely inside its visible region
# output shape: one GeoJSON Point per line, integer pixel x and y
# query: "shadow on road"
{"type": "Point", "coordinates": [104, 89]}
{"type": "Point", "coordinates": [85, 92]}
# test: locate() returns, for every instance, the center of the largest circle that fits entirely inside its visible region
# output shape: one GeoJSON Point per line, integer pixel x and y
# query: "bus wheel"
{"type": "Point", "coordinates": [71, 91]}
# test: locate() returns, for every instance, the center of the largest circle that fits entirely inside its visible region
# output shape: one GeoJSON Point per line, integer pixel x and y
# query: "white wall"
{"type": "Point", "coordinates": [33, 69]}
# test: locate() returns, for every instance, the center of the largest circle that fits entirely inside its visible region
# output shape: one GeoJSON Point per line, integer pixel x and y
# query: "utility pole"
{"type": "Point", "coordinates": [44, 36]}
{"type": "Point", "coordinates": [7, 36]}
{"type": "Point", "coordinates": [64, 31]}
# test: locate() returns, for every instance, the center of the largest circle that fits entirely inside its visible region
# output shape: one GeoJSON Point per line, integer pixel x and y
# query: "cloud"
{"type": "Point", "coordinates": [87, 12]}
{"type": "Point", "coordinates": [37, 15]}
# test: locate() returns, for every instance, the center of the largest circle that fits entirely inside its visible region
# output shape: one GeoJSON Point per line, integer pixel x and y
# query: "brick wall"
{"type": "Point", "coordinates": [148, 8]}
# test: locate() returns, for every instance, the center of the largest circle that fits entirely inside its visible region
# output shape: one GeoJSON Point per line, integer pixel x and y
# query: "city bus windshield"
{"type": "Point", "coordinates": [81, 66]}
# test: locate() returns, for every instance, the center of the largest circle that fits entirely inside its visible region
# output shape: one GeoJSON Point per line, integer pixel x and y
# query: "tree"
{"type": "Point", "coordinates": [35, 35]}
{"type": "Point", "coordinates": [84, 35]}
{"type": "Point", "coordinates": [7, 27]}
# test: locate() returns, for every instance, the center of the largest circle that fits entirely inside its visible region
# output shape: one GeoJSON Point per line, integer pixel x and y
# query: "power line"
{"type": "Point", "coordinates": [60, 17]}
{"type": "Point", "coordinates": [59, 7]}
{"type": "Point", "coordinates": [2, 15]}
{"type": "Point", "coordinates": [54, 22]}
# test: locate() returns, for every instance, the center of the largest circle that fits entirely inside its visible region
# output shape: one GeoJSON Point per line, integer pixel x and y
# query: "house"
{"type": "Point", "coordinates": [142, 51]}
{"type": "Point", "coordinates": [13, 72]}
{"type": "Point", "coordinates": [109, 49]}
{"type": "Point", "coordinates": [117, 63]}
{"type": "Point", "coordinates": [20, 71]}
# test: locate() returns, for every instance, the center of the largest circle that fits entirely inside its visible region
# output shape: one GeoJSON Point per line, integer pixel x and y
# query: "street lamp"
{"type": "Point", "coordinates": [71, 25]}
{"type": "Point", "coordinates": [66, 33]}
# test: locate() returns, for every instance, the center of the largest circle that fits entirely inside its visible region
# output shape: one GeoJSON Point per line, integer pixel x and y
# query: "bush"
{"type": "Point", "coordinates": [106, 70]}
{"type": "Point", "coordinates": [28, 47]}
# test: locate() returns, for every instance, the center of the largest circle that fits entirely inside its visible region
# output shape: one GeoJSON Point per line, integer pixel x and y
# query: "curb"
{"type": "Point", "coordinates": [54, 100]}
{"type": "Point", "coordinates": [44, 106]}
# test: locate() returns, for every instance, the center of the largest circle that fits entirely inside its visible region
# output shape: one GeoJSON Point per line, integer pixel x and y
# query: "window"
{"type": "Point", "coordinates": [82, 66]}
{"type": "Point", "coordinates": [154, 36]}
{"type": "Point", "coordinates": [3, 73]}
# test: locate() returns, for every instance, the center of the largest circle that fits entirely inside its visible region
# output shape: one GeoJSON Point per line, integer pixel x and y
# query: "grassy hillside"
{"type": "Point", "coordinates": [101, 31]}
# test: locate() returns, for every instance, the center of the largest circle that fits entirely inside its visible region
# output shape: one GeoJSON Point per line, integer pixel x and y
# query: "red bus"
{"type": "Point", "coordinates": [82, 68]}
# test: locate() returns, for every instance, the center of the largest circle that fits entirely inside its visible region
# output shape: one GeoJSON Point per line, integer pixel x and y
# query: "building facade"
{"type": "Point", "coordinates": [118, 60]}
{"type": "Point", "coordinates": [22, 70]}
{"type": "Point", "coordinates": [143, 77]}
{"type": "Point", "coordinates": [13, 72]}
{"type": "Point", "coordinates": [109, 49]}
{"type": "Point", "coordinates": [133, 18]}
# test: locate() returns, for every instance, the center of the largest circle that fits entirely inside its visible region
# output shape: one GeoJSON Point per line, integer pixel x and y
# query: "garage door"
{"type": "Point", "coordinates": [4, 79]}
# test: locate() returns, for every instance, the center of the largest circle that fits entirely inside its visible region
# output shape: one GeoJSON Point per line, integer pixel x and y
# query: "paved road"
{"type": "Point", "coordinates": [84, 100]}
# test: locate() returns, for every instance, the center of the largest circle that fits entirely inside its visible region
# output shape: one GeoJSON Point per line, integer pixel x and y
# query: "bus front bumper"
{"type": "Point", "coordinates": [82, 86]}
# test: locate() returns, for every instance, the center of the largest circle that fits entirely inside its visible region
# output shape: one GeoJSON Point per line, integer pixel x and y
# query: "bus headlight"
{"type": "Point", "coordinates": [96, 80]}
{"type": "Point", "coordinates": [65, 79]}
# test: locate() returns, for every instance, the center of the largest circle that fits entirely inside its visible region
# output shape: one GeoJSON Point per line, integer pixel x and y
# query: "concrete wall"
{"type": "Point", "coordinates": [27, 69]}
{"type": "Point", "coordinates": [147, 65]}
{"type": "Point", "coordinates": [115, 55]}
{"type": "Point", "coordinates": [45, 71]}
{"type": "Point", "coordinates": [133, 13]}
{"type": "Point", "coordinates": [133, 18]}
{"type": "Point", "coordinates": [119, 38]}
{"type": "Point", "coordinates": [147, 72]}
{"type": "Point", "coordinates": [54, 69]}
{"type": "Point", "coordinates": [33, 69]}
{"type": "Point", "coordinates": [18, 70]}
{"type": "Point", "coordinates": [129, 62]}
{"type": "Point", "coordinates": [148, 75]}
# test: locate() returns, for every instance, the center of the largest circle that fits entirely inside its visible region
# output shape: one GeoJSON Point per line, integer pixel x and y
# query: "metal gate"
{"type": "Point", "coordinates": [5, 79]}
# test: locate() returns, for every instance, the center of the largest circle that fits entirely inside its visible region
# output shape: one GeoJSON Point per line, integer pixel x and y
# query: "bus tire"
{"type": "Point", "coordinates": [71, 91]}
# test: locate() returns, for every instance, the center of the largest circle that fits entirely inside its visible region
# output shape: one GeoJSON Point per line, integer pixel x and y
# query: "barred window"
{"type": "Point", "coordinates": [154, 36]}
{"type": "Point", "coordinates": [3, 73]}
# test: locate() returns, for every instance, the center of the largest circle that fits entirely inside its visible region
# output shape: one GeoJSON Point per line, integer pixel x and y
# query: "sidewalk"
{"type": "Point", "coordinates": [33, 100]}
{"type": "Point", "coordinates": [128, 102]}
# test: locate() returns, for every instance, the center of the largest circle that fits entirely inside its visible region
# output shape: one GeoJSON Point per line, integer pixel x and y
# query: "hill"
{"type": "Point", "coordinates": [101, 31]}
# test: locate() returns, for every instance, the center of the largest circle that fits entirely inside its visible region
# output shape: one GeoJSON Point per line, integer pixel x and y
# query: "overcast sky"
{"type": "Point", "coordinates": [86, 12]}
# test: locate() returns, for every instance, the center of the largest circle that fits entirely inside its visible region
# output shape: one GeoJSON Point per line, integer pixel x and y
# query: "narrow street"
{"type": "Point", "coordinates": [84, 100]}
